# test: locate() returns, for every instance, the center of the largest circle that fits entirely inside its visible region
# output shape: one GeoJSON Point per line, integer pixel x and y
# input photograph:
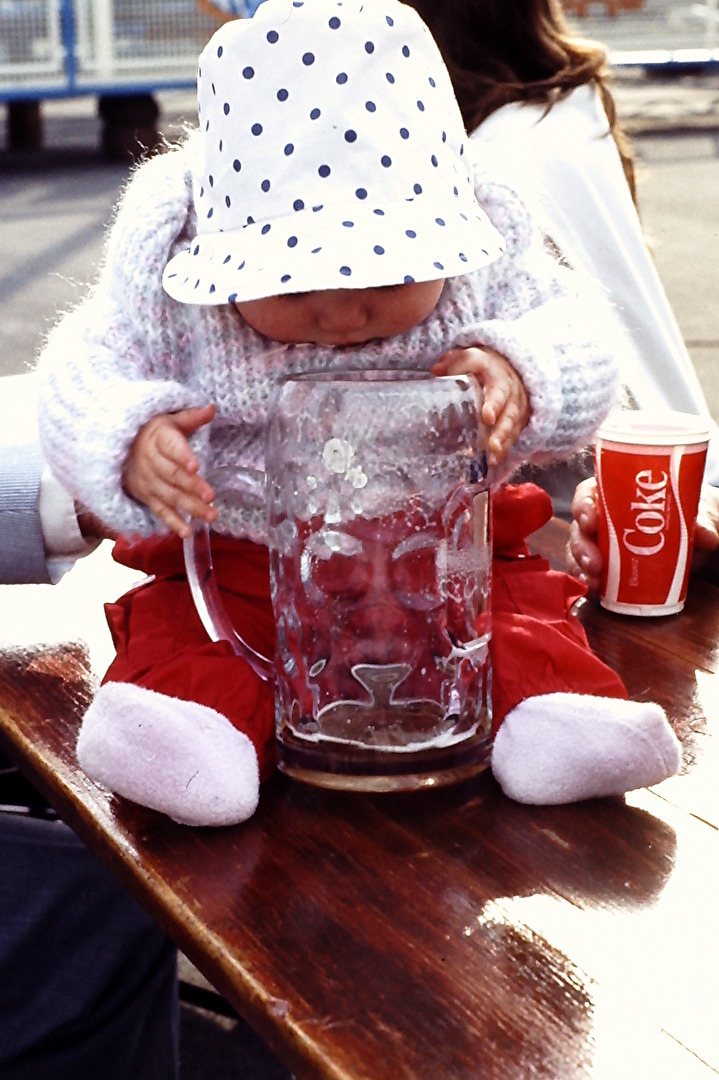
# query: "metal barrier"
{"type": "Point", "coordinates": [58, 48]}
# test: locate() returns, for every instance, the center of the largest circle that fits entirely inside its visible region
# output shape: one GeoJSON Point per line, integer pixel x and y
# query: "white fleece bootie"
{"type": "Point", "coordinates": [562, 748]}
{"type": "Point", "coordinates": [183, 759]}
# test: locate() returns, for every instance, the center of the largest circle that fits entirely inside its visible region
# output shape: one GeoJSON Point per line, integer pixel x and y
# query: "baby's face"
{"type": "Point", "coordinates": [342, 316]}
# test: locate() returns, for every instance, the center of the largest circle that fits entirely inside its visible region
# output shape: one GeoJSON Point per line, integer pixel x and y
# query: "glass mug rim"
{"type": "Point", "coordinates": [374, 377]}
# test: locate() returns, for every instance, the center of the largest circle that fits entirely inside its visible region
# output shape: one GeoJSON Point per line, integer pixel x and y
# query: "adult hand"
{"type": "Point", "coordinates": [162, 472]}
{"type": "Point", "coordinates": [583, 557]}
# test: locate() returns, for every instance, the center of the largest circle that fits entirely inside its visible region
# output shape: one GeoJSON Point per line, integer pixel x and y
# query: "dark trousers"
{"type": "Point", "coordinates": [88, 982]}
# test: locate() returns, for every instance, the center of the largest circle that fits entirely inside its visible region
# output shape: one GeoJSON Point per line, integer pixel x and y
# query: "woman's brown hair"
{"type": "Point", "coordinates": [499, 51]}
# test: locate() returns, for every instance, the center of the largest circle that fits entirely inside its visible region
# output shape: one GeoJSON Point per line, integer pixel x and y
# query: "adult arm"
{"type": "Point", "coordinates": [41, 533]}
{"type": "Point", "coordinates": [22, 547]}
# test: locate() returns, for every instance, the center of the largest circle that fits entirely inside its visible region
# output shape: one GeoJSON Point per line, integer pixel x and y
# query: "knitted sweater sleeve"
{"type": "Point", "coordinates": [553, 326]}
{"type": "Point", "coordinates": [112, 363]}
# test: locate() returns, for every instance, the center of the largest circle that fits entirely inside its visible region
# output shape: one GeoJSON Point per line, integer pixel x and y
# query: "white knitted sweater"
{"type": "Point", "coordinates": [129, 352]}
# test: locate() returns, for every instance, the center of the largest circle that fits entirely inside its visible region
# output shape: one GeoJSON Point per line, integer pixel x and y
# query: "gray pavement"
{"type": "Point", "coordinates": [56, 203]}
{"type": "Point", "coordinates": [675, 104]}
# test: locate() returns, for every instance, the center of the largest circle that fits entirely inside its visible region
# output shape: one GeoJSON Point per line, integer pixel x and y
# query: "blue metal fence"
{"type": "Point", "coordinates": [60, 48]}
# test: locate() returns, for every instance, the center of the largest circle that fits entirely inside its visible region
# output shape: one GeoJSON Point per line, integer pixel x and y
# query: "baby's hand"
{"type": "Point", "coordinates": [506, 404]}
{"type": "Point", "coordinates": [161, 470]}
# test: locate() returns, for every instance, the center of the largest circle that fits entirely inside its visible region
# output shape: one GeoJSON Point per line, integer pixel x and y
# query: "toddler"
{"type": "Point", "coordinates": [328, 198]}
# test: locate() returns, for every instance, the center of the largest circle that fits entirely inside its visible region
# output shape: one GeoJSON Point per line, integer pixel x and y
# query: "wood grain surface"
{"type": "Point", "coordinates": [439, 935]}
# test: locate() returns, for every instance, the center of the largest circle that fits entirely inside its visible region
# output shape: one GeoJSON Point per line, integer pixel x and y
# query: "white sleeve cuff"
{"type": "Point", "coordinates": [64, 543]}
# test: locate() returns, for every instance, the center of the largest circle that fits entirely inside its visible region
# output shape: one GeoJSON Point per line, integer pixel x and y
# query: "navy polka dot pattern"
{"type": "Point", "coordinates": [334, 157]}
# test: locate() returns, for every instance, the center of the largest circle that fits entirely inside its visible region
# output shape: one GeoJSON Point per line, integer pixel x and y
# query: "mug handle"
{"type": "Point", "coordinates": [197, 550]}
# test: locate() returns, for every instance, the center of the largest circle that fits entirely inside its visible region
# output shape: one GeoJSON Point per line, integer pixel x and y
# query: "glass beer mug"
{"type": "Point", "coordinates": [380, 563]}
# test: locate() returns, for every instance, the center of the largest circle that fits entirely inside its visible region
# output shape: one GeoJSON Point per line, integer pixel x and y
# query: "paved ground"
{"type": "Point", "coordinates": [55, 205]}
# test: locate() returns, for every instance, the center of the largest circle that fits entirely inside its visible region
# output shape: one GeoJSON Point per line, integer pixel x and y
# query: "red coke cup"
{"type": "Point", "coordinates": [649, 468]}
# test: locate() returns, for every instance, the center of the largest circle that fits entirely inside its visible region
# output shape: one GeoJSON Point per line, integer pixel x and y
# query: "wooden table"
{"type": "Point", "coordinates": [439, 935]}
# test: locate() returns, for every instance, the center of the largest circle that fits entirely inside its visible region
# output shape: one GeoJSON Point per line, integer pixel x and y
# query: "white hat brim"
{"type": "Point", "coordinates": [334, 247]}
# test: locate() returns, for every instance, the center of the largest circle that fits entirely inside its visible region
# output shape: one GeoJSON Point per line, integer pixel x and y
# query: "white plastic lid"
{"type": "Point", "coordinates": [654, 427]}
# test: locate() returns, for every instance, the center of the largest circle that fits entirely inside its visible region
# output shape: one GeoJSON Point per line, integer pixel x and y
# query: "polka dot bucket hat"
{"type": "Point", "coordinates": [334, 157]}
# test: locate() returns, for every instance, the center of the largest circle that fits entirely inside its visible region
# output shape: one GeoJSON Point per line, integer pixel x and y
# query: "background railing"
{"type": "Point", "coordinates": [67, 47]}
{"type": "Point", "coordinates": [53, 48]}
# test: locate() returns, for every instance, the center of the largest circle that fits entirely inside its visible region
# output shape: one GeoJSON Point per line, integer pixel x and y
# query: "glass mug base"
{"type": "Point", "coordinates": [346, 766]}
